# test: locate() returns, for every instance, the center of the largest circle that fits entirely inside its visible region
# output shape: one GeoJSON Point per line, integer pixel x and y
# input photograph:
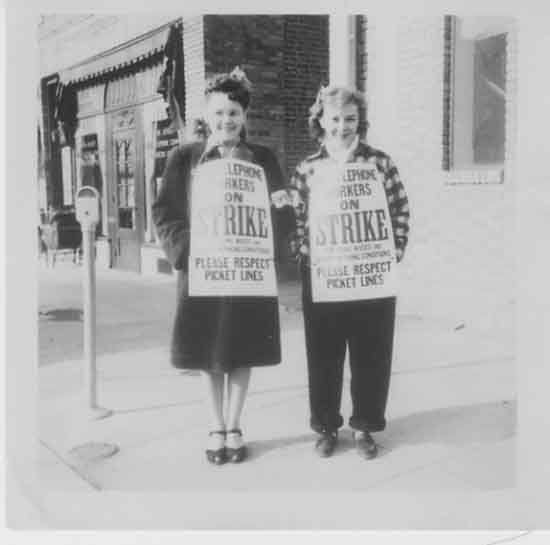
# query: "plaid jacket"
{"type": "Point", "coordinates": [398, 203]}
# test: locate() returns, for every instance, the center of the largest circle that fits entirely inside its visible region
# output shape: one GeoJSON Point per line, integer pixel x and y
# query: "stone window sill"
{"type": "Point", "coordinates": [478, 176]}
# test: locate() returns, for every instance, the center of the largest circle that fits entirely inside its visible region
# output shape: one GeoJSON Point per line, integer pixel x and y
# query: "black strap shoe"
{"type": "Point", "coordinates": [217, 456]}
{"type": "Point", "coordinates": [236, 455]}
{"type": "Point", "coordinates": [365, 445]}
{"type": "Point", "coordinates": [326, 443]}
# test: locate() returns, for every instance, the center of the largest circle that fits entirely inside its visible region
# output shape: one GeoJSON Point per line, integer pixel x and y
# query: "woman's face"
{"type": "Point", "coordinates": [225, 117]}
{"type": "Point", "coordinates": [340, 123]}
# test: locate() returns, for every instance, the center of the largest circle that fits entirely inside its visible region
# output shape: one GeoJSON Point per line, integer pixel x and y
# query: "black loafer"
{"type": "Point", "coordinates": [236, 455]}
{"type": "Point", "coordinates": [365, 445]}
{"type": "Point", "coordinates": [326, 443]}
{"type": "Point", "coordinates": [217, 456]}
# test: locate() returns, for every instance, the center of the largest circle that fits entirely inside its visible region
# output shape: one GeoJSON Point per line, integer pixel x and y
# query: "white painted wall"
{"type": "Point", "coordinates": [460, 259]}
{"type": "Point", "coordinates": [341, 56]}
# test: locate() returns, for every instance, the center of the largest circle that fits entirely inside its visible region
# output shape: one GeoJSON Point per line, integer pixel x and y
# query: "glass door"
{"type": "Point", "coordinates": [127, 191]}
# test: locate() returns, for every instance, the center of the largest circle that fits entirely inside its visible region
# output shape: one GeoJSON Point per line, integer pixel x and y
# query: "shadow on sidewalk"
{"type": "Point", "coordinates": [259, 448]}
{"type": "Point", "coordinates": [472, 424]}
{"type": "Point", "coordinates": [483, 423]}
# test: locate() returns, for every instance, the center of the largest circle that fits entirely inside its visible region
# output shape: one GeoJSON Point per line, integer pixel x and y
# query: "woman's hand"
{"type": "Point", "coordinates": [280, 198]}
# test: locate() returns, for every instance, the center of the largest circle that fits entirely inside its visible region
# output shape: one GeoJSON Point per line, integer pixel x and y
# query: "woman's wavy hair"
{"type": "Point", "coordinates": [236, 86]}
{"type": "Point", "coordinates": [339, 96]}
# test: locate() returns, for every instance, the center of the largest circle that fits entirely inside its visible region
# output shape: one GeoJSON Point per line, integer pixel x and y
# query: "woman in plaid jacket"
{"type": "Point", "coordinates": [365, 327]}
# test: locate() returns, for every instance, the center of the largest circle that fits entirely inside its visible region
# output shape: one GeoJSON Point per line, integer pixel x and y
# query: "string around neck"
{"type": "Point", "coordinates": [220, 147]}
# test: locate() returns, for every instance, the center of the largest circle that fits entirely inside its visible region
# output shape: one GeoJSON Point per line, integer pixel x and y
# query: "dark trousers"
{"type": "Point", "coordinates": [366, 328]}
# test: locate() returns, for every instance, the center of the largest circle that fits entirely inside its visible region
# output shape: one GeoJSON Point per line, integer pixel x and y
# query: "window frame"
{"type": "Point", "coordinates": [475, 174]}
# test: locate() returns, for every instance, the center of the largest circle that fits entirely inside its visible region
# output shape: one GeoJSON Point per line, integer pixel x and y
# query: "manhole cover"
{"type": "Point", "coordinates": [90, 452]}
{"type": "Point", "coordinates": [62, 315]}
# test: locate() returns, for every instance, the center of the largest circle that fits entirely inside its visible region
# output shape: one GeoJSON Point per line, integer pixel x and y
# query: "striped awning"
{"type": "Point", "coordinates": [120, 57]}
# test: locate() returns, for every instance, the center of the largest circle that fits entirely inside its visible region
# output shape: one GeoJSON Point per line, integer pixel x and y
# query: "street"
{"type": "Point", "coordinates": [133, 312]}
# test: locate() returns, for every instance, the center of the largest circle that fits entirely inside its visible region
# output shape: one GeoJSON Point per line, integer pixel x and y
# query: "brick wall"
{"type": "Point", "coordinates": [285, 57]}
{"type": "Point", "coordinates": [255, 43]}
{"type": "Point", "coordinates": [306, 67]}
{"type": "Point", "coordinates": [461, 254]}
{"type": "Point", "coordinates": [361, 60]}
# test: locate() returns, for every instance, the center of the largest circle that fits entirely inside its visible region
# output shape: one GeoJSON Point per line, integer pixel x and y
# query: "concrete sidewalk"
{"type": "Point", "coordinates": [451, 423]}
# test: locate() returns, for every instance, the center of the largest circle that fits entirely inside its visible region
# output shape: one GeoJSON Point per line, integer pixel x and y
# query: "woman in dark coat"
{"type": "Point", "coordinates": [223, 336]}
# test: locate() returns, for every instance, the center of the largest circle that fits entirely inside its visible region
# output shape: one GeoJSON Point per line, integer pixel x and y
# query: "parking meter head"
{"type": "Point", "coordinates": [87, 206]}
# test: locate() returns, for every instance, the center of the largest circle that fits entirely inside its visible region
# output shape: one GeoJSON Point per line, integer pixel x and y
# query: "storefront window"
{"type": "Point", "coordinates": [489, 99]}
{"type": "Point", "coordinates": [166, 137]}
{"type": "Point", "coordinates": [67, 168]}
{"type": "Point", "coordinates": [90, 170]}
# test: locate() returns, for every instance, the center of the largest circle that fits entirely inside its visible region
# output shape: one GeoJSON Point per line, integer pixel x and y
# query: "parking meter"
{"type": "Point", "coordinates": [88, 215]}
{"type": "Point", "coordinates": [87, 207]}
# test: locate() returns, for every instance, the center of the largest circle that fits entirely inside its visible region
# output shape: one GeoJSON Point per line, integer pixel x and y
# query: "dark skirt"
{"type": "Point", "coordinates": [224, 333]}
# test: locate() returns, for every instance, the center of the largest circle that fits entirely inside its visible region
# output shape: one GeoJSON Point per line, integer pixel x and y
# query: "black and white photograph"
{"type": "Point", "coordinates": [281, 264]}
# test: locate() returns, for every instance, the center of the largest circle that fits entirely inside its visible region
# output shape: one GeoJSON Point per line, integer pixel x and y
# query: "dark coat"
{"type": "Point", "coordinates": [216, 333]}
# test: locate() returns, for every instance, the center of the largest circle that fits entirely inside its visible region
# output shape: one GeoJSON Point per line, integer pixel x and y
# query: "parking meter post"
{"type": "Point", "coordinates": [89, 317]}
{"type": "Point", "coordinates": [87, 213]}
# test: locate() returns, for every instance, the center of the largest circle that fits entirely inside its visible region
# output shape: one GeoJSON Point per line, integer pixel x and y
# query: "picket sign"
{"type": "Point", "coordinates": [231, 248]}
{"type": "Point", "coordinates": [351, 236]}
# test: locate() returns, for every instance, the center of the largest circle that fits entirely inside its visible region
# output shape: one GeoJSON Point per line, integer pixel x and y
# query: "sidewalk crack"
{"type": "Point", "coordinates": [72, 467]}
{"type": "Point", "coordinates": [500, 360]}
{"type": "Point", "coordinates": [511, 538]}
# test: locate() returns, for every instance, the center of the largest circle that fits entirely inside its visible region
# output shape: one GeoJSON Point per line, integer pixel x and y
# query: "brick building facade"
{"type": "Point", "coordinates": [460, 259]}
{"type": "Point", "coordinates": [285, 57]}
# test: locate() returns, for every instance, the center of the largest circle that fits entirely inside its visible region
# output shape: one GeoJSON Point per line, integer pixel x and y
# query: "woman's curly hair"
{"type": "Point", "coordinates": [236, 86]}
{"type": "Point", "coordinates": [339, 96]}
